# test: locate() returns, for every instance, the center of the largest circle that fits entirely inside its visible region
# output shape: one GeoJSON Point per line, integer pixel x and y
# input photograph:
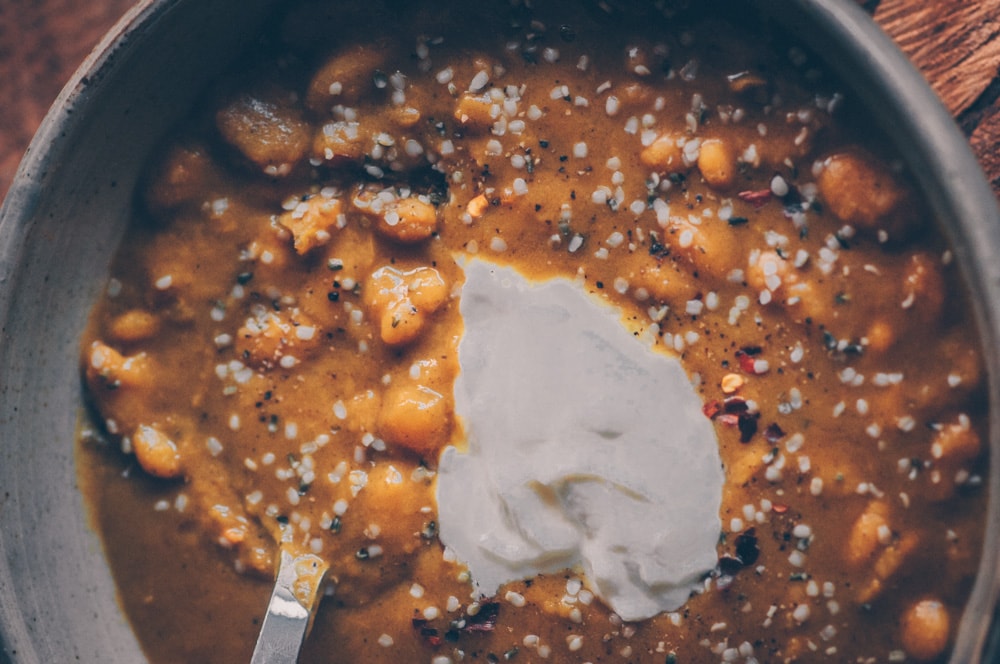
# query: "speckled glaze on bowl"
{"type": "Point", "coordinates": [72, 197]}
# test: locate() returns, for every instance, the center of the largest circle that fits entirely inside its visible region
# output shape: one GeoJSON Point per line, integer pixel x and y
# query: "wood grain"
{"type": "Point", "coordinates": [955, 43]}
{"type": "Point", "coordinates": [41, 43]}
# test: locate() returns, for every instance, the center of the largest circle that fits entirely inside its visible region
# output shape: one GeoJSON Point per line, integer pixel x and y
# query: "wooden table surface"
{"type": "Point", "coordinates": [955, 43]}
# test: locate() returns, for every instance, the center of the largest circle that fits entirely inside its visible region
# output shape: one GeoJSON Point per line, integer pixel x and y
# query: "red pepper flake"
{"type": "Point", "coordinates": [773, 433]}
{"type": "Point", "coordinates": [756, 198]}
{"type": "Point", "coordinates": [748, 362]}
{"type": "Point", "coordinates": [711, 409]}
{"type": "Point", "coordinates": [734, 412]}
{"type": "Point", "coordinates": [779, 508]}
{"type": "Point", "coordinates": [429, 635]}
{"type": "Point", "coordinates": [729, 419]}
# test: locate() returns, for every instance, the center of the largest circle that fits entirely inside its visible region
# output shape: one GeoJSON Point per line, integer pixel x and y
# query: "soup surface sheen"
{"type": "Point", "coordinates": [277, 352]}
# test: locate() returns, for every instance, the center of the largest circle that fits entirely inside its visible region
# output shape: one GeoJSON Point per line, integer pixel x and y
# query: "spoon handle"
{"type": "Point", "coordinates": [290, 610]}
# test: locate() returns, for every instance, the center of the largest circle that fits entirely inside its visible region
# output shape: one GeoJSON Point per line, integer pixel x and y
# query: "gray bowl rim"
{"type": "Point", "coordinates": [883, 77]}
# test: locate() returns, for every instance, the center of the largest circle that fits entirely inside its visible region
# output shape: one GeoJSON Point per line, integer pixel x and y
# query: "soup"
{"type": "Point", "coordinates": [277, 352]}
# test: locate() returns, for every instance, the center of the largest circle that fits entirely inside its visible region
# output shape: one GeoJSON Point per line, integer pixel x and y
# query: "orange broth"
{"type": "Point", "coordinates": [277, 345]}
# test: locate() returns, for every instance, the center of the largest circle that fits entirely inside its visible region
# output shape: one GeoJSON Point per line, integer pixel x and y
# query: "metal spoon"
{"type": "Point", "coordinates": [291, 609]}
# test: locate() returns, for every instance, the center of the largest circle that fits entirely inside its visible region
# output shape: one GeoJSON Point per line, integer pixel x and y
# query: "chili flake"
{"type": "Point", "coordinates": [756, 198]}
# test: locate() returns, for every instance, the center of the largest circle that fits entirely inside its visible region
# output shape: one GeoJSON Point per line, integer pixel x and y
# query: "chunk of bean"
{"type": "Point", "coordinates": [313, 226]}
{"type": "Point", "coordinates": [862, 191]}
{"type": "Point", "coordinates": [416, 418]}
{"type": "Point", "coordinates": [717, 163]}
{"type": "Point", "coordinates": [925, 629]}
{"type": "Point", "coordinates": [401, 301]}
{"type": "Point", "coordinates": [134, 325]}
{"type": "Point", "coordinates": [156, 452]}
{"type": "Point", "coordinates": [265, 339]}
{"type": "Point", "coordinates": [410, 221]}
{"type": "Point", "coordinates": [107, 369]}
{"type": "Point", "coordinates": [340, 142]}
{"type": "Point", "coordinates": [664, 155]}
{"type": "Point", "coordinates": [345, 78]}
{"type": "Point", "coordinates": [863, 540]}
{"type": "Point", "coordinates": [269, 131]}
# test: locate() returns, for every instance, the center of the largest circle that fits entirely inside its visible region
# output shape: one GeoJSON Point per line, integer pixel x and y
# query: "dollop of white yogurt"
{"type": "Point", "coordinates": [586, 449]}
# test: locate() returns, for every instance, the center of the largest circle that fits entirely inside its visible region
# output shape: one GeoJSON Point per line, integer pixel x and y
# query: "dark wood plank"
{"type": "Point", "coordinates": [955, 43]}
{"type": "Point", "coordinates": [41, 43]}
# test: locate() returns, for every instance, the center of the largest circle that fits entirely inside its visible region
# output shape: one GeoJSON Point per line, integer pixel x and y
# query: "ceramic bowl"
{"type": "Point", "coordinates": [72, 197]}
